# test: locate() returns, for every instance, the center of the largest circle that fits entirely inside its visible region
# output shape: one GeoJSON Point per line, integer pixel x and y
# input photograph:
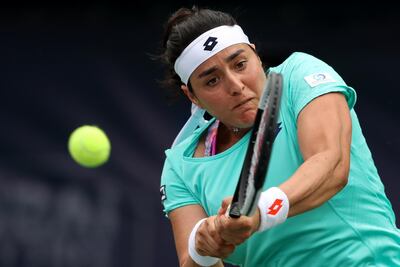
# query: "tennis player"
{"type": "Point", "coordinates": [324, 203]}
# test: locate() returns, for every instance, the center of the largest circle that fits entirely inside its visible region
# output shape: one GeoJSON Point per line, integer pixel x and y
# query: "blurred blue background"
{"type": "Point", "coordinates": [66, 65]}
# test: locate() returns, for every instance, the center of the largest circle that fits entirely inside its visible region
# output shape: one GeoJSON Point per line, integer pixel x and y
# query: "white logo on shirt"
{"type": "Point", "coordinates": [163, 193]}
{"type": "Point", "coordinates": [319, 78]}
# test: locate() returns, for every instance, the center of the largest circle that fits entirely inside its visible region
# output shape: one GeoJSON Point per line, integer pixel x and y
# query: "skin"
{"type": "Point", "coordinates": [228, 85]}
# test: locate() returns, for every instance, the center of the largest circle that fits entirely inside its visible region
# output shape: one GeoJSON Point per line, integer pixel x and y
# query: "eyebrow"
{"type": "Point", "coordinates": [227, 59]}
{"type": "Point", "coordinates": [232, 56]}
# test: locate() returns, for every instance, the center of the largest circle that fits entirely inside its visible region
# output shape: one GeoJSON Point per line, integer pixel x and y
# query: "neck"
{"type": "Point", "coordinates": [230, 135]}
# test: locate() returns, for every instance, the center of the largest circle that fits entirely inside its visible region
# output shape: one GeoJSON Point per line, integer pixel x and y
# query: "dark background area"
{"type": "Point", "coordinates": [66, 65]}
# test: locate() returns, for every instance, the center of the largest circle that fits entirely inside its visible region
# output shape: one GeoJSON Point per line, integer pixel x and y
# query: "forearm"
{"type": "Point", "coordinates": [318, 179]}
{"type": "Point", "coordinates": [195, 236]}
{"type": "Point", "coordinates": [188, 262]}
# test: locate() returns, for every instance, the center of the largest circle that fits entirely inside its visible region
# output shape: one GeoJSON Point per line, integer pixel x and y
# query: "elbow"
{"type": "Point", "coordinates": [183, 261]}
{"type": "Point", "coordinates": [342, 181]}
{"type": "Point", "coordinates": [341, 173]}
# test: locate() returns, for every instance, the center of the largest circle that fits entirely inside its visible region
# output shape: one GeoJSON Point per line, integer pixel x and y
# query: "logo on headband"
{"type": "Point", "coordinates": [210, 43]}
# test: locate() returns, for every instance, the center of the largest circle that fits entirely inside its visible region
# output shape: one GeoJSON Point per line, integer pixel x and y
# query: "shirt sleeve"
{"type": "Point", "coordinates": [310, 78]}
{"type": "Point", "coordinates": [173, 190]}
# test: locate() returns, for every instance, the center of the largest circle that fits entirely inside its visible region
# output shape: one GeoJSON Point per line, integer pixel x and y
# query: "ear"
{"type": "Point", "coordinates": [254, 47]}
{"type": "Point", "coordinates": [192, 97]}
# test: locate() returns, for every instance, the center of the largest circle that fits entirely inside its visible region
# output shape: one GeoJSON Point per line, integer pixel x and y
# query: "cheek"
{"type": "Point", "coordinates": [256, 80]}
{"type": "Point", "coordinates": [214, 103]}
{"type": "Point", "coordinates": [262, 79]}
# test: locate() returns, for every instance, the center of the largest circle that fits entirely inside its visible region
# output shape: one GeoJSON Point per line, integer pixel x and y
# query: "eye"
{"type": "Point", "coordinates": [212, 81]}
{"type": "Point", "coordinates": [241, 65]}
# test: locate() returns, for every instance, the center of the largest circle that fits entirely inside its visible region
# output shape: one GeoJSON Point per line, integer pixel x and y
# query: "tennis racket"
{"type": "Point", "coordinates": [255, 165]}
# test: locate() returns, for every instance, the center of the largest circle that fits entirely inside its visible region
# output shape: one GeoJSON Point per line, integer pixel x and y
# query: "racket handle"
{"type": "Point", "coordinates": [234, 210]}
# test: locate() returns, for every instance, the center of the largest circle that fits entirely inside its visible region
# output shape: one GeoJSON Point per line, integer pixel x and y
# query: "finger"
{"type": "Point", "coordinates": [220, 211]}
{"type": "Point", "coordinates": [222, 252]}
{"type": "Point", "coordinates": [235, 239]}
{"type": "Point", "coordinates": [214, 228]}
{"type": "Point", "coordinates": [225, 251]}
{"type": "Point", "coordinates": [223, 228]}
{"type": "Point", "coordinates": [217, 247]}
{"type": "Point", "coordinates": [226, 225]}
{"type": "Point", "coordinates": [225, 203]}
{"type": "Point", "coordinates": [219, 223]}
{"type": "Point", "coordinates": [204, 243]}
{"type": "Point", "coordinates": [210, 243]}
{"type": "Point", "coordinates": [225, 231]}
{"type": "Point", "coordinates": [241, 224]}
{"type": "Point", "coordinates": [234, 231]}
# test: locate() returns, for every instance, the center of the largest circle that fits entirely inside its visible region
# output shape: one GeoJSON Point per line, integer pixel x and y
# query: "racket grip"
{"type": "Point", "coordinates": [234, 210]}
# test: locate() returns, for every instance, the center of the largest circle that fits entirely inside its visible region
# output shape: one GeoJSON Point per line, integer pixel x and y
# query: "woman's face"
{"type": "Point", "coordinates": [229, 85]}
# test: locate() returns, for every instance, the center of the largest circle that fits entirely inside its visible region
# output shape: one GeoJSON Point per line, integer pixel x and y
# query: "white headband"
{"type": "Point", "coordinates": [205, 46]}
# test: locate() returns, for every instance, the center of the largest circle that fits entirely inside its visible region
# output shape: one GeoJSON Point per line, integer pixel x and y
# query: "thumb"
{"type": "Point", "coordinates": [225, 205]}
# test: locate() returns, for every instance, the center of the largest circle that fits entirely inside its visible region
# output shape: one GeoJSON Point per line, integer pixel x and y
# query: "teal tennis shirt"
{"type": "Point", "coordinates": [354, 228]}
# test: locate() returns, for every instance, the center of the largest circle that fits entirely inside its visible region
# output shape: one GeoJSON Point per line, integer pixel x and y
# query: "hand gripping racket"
{"type": "Point", "coordinates": [255, 165]}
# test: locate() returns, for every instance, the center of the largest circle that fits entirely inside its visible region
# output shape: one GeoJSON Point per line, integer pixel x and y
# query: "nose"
{"type": "Point", "coordinates": [234, 84]}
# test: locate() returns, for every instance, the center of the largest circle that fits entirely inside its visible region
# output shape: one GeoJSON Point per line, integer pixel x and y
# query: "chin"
{"type": "Point", "coordinates": [245, 124]}
{"type": "Point", "coordinates": [248, 120]}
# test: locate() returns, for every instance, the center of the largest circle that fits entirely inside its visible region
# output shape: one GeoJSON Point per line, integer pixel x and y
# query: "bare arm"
{"type": "Point", "coordinates": [208, 242]}
{"type": "Point", "coordinates": [324, 133]}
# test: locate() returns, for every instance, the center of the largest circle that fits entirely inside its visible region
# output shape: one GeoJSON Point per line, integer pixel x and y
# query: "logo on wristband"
{"type": "Point", "coordinates": [275, 207]}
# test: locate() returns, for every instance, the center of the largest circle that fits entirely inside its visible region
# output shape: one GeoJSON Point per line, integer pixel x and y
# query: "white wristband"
{"type": "Point", "coordinates": [274, 208]}
{"type": "Point", "coordinates": [200, 260]}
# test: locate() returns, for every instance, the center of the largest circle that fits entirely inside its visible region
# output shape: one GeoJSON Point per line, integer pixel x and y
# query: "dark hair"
{"type": "Point", "coordinates": [181, 29]}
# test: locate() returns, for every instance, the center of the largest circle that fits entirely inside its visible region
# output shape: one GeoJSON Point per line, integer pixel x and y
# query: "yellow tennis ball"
{"type": "Point", "coordinates": [89, 146]}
